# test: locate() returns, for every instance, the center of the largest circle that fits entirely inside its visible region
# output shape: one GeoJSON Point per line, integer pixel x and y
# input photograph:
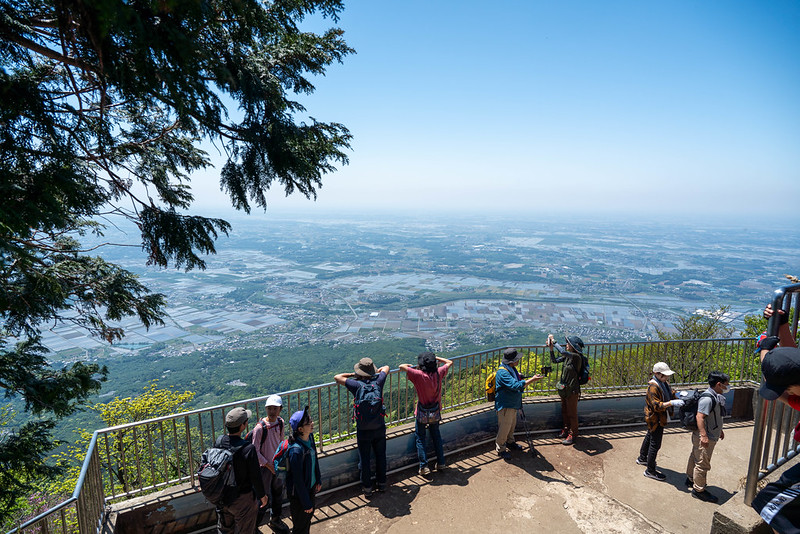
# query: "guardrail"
{"type": "Point", "coordinates": [137, 458]}
{"type": "Point", "coordinates": [773, 444]}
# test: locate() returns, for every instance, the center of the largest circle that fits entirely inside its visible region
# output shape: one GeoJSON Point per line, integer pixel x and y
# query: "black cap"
{"type": "Point", "coordinates": [781, 369]}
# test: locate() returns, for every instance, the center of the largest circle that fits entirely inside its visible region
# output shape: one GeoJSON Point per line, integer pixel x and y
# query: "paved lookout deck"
{"type": "Point", "coordinates": [594, 487]}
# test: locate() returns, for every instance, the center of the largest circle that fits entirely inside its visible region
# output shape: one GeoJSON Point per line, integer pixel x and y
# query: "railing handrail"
{"type": "Point", "coordinates": [467, 373]}
{"type": "Point", "coordinates": [499, 350]}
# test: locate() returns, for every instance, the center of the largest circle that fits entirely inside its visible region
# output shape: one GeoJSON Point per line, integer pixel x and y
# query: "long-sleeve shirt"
{"type": "Point", "coordinates": [274, 435]}
{"type": "Point", "coordinates": [568, 384]}
{"type": "Point", "coordinates": [655, 405]}
{"type": "Point", "coordinates": [509, 386]}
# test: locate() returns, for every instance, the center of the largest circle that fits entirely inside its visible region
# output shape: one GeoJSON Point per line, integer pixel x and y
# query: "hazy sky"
{"type": "Point", "coordinates": [532, 106]}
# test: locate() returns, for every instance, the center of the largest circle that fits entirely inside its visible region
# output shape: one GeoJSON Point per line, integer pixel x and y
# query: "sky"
{"type": "Point", "coordinates": [530, 107]}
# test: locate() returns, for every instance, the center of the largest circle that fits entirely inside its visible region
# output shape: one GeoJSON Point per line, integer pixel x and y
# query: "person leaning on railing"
{"type": "Point", "coordinates": [779, 502]}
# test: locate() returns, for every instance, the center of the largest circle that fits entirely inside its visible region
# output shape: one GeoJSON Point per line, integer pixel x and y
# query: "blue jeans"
{"type": "Point", "coordinates": [419, 434]}
{"type": "Point", "coordinates": [370, 441]}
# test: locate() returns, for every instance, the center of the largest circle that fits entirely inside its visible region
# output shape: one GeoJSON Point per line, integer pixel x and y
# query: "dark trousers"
{"type": "Point", "coordinates": [569, 413]}
{"type": "Point", "coordinates": [650, 447]}
{"type": "Point", "coordinates": [301, 521]}
{"type": "Point", "coordinates": [372, 441]}
{"type": "Point", "coordinates": [436, 436]}
{"type": "Point", "coordinates": [273, 485]}
{"type": "Point", "coordinates": [238, 516]}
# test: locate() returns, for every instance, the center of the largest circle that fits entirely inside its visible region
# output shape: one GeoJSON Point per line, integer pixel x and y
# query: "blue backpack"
{"type": "Point", "coordinates": [368, 408]}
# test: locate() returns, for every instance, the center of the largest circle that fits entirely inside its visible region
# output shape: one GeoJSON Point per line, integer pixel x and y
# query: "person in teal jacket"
{"type": "Point", "coordinates": [509, 386]}
{"type": "Point", "coordinates": [303, 477]}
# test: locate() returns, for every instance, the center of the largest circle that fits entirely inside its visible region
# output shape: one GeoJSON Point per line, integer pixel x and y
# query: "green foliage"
{"type": "Point", "coordinates": [129, 465]}
{"type": "Point", "coordinates": [103, 105]}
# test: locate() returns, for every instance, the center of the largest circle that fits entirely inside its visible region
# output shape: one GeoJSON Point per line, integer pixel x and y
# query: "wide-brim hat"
{"type": "Point", "coordinates": [511, 356]}
{"type": "Point", "coordinates": [576, 342]}
{"type": "Point", "coordinates": [365, 367]}
{"type": "Point", "coordinates": [663, 368]}
{"type": "Point", "coordinates": [781, 369]}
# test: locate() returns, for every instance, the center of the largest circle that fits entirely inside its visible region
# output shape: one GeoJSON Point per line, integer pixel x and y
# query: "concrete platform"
{"type": "Point", "coordinates": [592, 487]}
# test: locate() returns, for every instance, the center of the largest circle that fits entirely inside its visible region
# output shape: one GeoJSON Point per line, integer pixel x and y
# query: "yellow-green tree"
{"type": "Point", "coordinates": [137, 458]}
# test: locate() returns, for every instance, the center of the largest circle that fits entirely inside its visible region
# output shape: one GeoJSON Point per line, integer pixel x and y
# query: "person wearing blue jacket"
{"type": "Point", "coordinates": [303, 476]}
{"type": "Point", "coordinates": [509, 385]}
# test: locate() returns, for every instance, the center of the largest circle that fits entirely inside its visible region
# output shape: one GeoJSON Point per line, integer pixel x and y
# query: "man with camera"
{"type": "Point", "coordinates": [509, 385]}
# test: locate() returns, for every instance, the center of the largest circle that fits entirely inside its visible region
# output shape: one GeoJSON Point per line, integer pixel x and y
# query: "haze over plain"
{"type": "Point", "coordinates": [530, 107]}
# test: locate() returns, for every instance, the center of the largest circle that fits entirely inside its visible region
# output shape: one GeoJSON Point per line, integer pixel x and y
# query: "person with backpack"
{"type": "Point", "coordinates": [427, 378]}
{"type": "Point", "coordinates": [266, 436]}
{"type": "Point", "coordinates": [239, 513]}
{"type": "Point", "coordinates": [303, 477]}
{"type": "Point", "coordinates": [710, 411]}
{"type": "Point", "coordinates": [366, 385]}
{"type": "Point", "coordinates": [659, 401]}
{"type": "Point", "coordinates": [569, 388]}
{"type": "Point", "coordinates": [509, 385]}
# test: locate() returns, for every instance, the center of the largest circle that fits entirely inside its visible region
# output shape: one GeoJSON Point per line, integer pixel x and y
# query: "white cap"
{"type": "Point", "coordinates": [663, 368]}
{"type": "Point", "coordinates": [274, 400]}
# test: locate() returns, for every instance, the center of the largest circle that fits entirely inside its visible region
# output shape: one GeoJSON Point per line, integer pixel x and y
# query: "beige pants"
{"type": "Point", "coordinates": [699, 461]}
{"type": "Point", "coordinates": [506, 423]}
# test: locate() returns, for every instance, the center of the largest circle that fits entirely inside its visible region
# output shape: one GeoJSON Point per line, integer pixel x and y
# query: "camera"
{"type": "Point", "coordinates": [546, 370]}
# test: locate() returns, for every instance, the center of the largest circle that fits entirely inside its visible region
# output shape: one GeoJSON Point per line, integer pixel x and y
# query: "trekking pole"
{"type": "Point", "coordinates": [527, 431]}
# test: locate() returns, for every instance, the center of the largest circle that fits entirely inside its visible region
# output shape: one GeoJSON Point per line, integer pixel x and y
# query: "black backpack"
{"type": "Point", "coordinates": [368, 409]}
{"type": "Point", "coordinates": [583, 376]}
{"type": "Point", "coordinates": [216, 476]}
{"type": "Point", "coordinates": [688, 412]}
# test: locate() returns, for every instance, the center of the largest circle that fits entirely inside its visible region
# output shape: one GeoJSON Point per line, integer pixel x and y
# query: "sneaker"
{"type": "Point", "coordinates": [513, 446]}
{"type": "Point", "coordinates": [277, 525]}
{"type": "Point", "coordinates": [564, 433]}
{"type": "Point", "coordinates": [367, 492]}
{"type": "Point", "coordinates": [424, 471]}
{"type": "Point", "coordinates": [380, 488]}
{"type": "Point", "coordinates": [704, 495]}
{"type": "Point", "coordinates": [569, 441]}
{"type": "Point", "coordinates": [688, 482]}
{"type": "Point", "coordinates": [639, 461]}
{"type": "Point", "coordinates": [505, 455]}
{"type": "Point", "coordinates": [440, 467]}
{"type": "Point", "coordinates": [655, 475]}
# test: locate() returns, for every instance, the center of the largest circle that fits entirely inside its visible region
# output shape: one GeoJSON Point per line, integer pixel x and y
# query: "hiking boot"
{"type": "Point", "coordinates": [639, 461]}
{"type": "Point", "coordinates": [277, 525]}
{"type": "Point", "coordinates": [564, 433]}
{"type": "Point", "coordinates": [505, 455]}
{"type": "Point", "coordinates": [688, 482]}
{"type": "Point", "coordinates": [513, 446]}
{"type": "Point", "coordinates": [367, 492]}
{"type": "Point", "coordinates": [704, 495]}
{"type": "Point", "coordinates": [655, 475]}
{"type": "Point", "coordinates": [424, 471]}
{"type": "Point", "coordinates": [569, 440]}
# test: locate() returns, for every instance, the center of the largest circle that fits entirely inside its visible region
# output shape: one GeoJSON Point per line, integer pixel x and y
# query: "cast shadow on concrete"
{"type": "Point", "coordinates": [592, 445]}
{"type": "Point", "coordinates": [677, 479]}
{"type": "Point", "coordinates": [539, 467]}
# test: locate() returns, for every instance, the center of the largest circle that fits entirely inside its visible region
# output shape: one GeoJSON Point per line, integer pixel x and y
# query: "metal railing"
{"type": "Point", "coordinates": [773, 443]}
{"type": "Point", "coordinates": [137, 458]}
